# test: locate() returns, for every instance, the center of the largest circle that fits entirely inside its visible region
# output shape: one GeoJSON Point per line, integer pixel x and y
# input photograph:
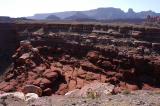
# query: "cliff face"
{"type": "Point", "coordinates": [8, 36]}
{"type": "Point", "coordinates": [8, 44]}
{"type": "Point", "coordinates": [59, 58]}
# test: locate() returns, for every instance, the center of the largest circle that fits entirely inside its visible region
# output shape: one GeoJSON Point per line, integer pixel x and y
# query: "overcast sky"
{"type": "Point", "coordinates": [20, 8]}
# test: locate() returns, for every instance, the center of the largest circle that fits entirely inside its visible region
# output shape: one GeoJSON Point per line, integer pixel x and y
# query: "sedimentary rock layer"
{"type": "Point", "coordinates": [58, 58]}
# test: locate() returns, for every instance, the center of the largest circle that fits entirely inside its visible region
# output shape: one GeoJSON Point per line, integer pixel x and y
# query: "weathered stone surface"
{"type": "Point", "coordinates": [43, 81]}
{"type": "Point", "coordinates": [29, 97]}
{"type": "Point", "coordinates": [137, 34]}
{"type": "Point", "coordinates": [32, 89]}
{"type": "Point", "coordinates": [96, 87]}
{"type": "Point", "coordinates": [50, 75]}
{"type": "Point", "coordinates": [47, 92]}
{"type": "Point", "coordinates": [93, 56]}
{"type": "Point", "coordinates": [57, 61]}
{"type": "Point", "coordinates": [132, 87]}
{"type": "Point", "coordinates": [18, 95]}
{"type": "Point", "coordinates": [89, 66]}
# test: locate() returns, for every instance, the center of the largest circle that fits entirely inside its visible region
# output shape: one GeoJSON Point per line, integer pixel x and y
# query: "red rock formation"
{"type": "Point", "coordinates": [62, 62]}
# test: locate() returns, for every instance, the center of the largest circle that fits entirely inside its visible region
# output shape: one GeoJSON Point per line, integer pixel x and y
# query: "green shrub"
{"type": "Point", "coordinates": [126, 91]}
{"type": "Point", "coordinates": [92, 94]}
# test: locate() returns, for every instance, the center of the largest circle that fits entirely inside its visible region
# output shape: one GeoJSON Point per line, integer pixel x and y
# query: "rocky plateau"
{"type": "Point", "coordinates": [58, 58]}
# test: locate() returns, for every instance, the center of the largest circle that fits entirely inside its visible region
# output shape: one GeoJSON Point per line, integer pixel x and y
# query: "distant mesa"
{"type": "Point", "coordinates": [130, 11]}
{"type": "Point", "coordinates": [109, 13]}
{"type": "Point", "coordinates": [53, 17]}
{"type": "Point", "coordinates": [78, 16]}
{"type": "Point", "coordinates": [5, 19]}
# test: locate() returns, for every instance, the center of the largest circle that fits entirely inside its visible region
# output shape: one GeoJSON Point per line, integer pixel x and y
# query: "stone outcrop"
{"type": "Point", "coordinates": [92, 90]}
{"type": "Point", "coordinates": [58, 58]}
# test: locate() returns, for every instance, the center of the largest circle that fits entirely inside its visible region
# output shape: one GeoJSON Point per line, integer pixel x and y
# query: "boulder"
{"type": "Point", "coordinates": [25, 43]}
{"type": "Point", "coordinates": [110, 73]}
{"type": "Point", "coordinates": [93, 56]}
{"type": "Point", "coordinates": [32, 89]}
{"type": "Point", "coordinates": [139, 61]}
{"type": "Point", "coordinates": [9, 76]}
{"type": "Point", "coordinates": [25, 56]}
{"type": "Point", "coordinates": [55, 69]}
{"type": "Point", "coordinates": [29, 97]}
{"type": "Point", "coordinates": [72, 93]}
{"type": "Point", "coordinates": [62, 89]}
{"type": "Point", "coordinates": [3, 85]}
{"type": "Point", "coordinates": [113, 80]}
{"type": "Point", "coordinates": [42, 81]}
{"type": "Point", "coordinates": [22, 59]}
{"type": "Point", "coordinates": [72, 85]}
{"type": "Point", "coordinates": [8, 88]}
{"type": "Point", "coordinates": [58, 65]}
{"type": "Point", "coordinates": [47, 92]}
{"type": "Point", "coordinates": [51, 76]}
{"type": "Point", "coordinates": [117, 90]}
{"type": "Point", "coordinates": [142, 43]}
{"type": "Point", "coordinates": [18, 95]}
{"type": "Point", "coordinates": [132, 87]}
{"type": "Point", "coordinates": [156, 46]}
{"type": "Point", "coordinates": [32, 75]}
{"type": "Point", "coordinates": [39, 69]}
{"type": "Point", "coordinates": [39, 32]}
{"type": "Point", "coordinates": [96, 88]}
{"type": "Point", "coordinates": [80, 83]}
{"type": "Point", "coordinates": [136, 34]}
{"type": "Point", "coordinates": [107, 65]}
{"type": "Point", "coordinates": [146, 86]}
{"type": "Point", "coordinates": [90, 67]}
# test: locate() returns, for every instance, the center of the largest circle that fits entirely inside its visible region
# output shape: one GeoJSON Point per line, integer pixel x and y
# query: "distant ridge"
{"type": "Point", "coordinates": [98, 14]}
{"type": "Point", "coordinates": [52, 17]}
{"type": "Point", "coordinates": [78, 15]}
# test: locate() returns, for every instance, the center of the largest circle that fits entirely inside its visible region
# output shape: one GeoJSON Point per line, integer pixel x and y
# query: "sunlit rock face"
{"type": "Point", "coordinates": [58, 58]}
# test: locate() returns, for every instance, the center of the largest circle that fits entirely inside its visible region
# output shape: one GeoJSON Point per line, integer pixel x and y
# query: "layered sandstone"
{"type": "Point", "coordinates": [58, 58]}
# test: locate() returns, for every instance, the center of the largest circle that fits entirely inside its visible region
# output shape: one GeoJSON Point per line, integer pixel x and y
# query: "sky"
{"type": "Point", "coordinates": [21, 8]}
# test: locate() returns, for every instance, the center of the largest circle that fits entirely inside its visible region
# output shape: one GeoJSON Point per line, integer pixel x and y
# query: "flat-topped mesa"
{"type": "Point", "coordinates": [144, 33]}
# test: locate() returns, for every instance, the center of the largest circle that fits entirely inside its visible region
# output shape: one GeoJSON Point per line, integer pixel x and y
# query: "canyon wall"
{"type": "Point", "coordinates": [58, 58]}
{"type": "Point", "coordinates": [8, 44]}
